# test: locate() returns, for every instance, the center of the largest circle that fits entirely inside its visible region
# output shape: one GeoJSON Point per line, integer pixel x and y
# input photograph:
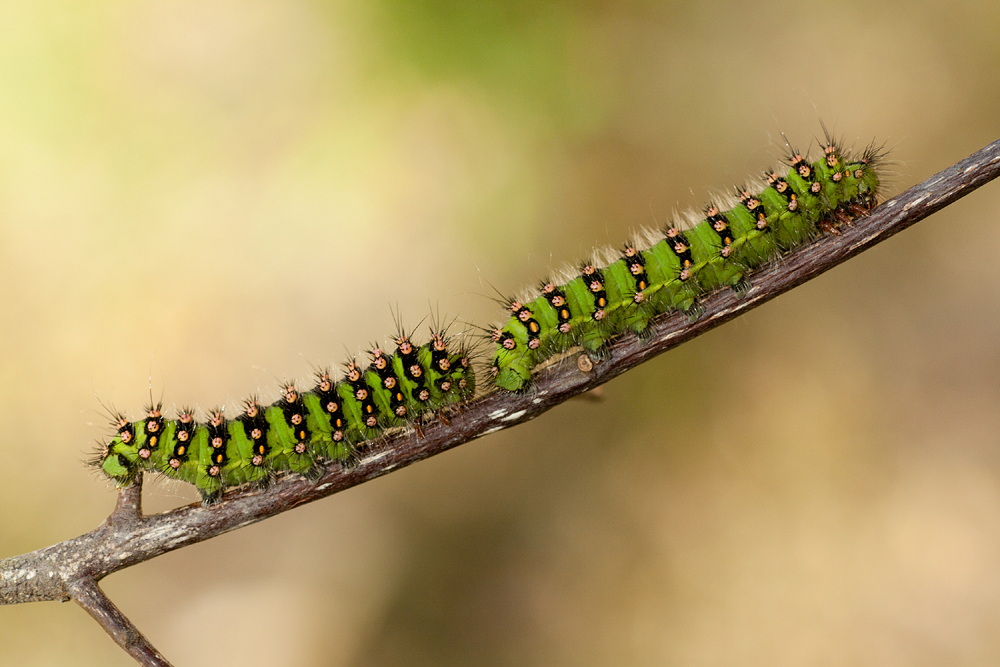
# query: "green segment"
{"type": "Point", "coordinates": [320, 423]}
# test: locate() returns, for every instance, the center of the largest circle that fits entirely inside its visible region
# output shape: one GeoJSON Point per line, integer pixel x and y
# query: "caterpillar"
{"type": "Point", "coordinates": [331, 421]}
{"type": "Point", "coordinates": [659, 271]}
{"type": "Point", "coordinates": [607, 296]}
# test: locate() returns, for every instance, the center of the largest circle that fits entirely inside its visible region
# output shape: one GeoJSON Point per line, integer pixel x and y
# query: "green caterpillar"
{"type": "Point", "coordinates": [668, 270]}
{"type": "Point", "coordinates": [656, 273]}
{"type": "Point", "coordinates": [329, 422]}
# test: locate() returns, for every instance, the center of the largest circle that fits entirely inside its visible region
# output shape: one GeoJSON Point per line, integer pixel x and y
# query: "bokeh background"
{"type": "Point", "coordinates": [200, 198]}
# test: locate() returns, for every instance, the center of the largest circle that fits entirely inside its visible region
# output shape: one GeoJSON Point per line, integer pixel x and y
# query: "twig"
{"type": "Point", "coordinates": [89, 595]}
{"type": "Point", "coordinates": [71, 569]}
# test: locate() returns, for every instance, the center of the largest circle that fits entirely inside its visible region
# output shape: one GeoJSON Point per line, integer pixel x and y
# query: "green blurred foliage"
{"type": "Point", "coordinates": [200, 198]}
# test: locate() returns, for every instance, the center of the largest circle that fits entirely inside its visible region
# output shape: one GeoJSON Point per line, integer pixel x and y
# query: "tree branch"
{"type": "Point", "coordinates": [71, 569]}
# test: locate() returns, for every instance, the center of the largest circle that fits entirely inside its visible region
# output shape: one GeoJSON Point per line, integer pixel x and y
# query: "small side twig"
{"type": "Point", "coordinates": [128, 508]}
{"type": "Point", "coordinates": [87, 594]}
{"type": "Point", "coordinates": [71, 569]}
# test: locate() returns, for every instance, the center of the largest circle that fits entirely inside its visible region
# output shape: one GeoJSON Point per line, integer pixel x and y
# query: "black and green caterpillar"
{"type": "Point", "coordinates": [669, 269]}
{"type": "Point", "coordinates": [658, 272]}
{"type": "Point", "coordinates": [331, 421]}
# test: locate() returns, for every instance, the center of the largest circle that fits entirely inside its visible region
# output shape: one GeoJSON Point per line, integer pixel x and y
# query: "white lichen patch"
{"type": "Point", "coordinates": [374, 458]}
{"type": "Point", "coordinates": [19, 575]}
{"type": "Point", "coordinates": [167, 534]}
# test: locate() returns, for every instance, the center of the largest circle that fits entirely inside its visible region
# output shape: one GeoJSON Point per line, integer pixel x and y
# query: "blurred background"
{"type": "Point", "coordinates": [200, 198]}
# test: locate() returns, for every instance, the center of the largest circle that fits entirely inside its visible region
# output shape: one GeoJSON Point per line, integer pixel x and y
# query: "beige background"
{"type": "Point", "coordinates": [212, 195]}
